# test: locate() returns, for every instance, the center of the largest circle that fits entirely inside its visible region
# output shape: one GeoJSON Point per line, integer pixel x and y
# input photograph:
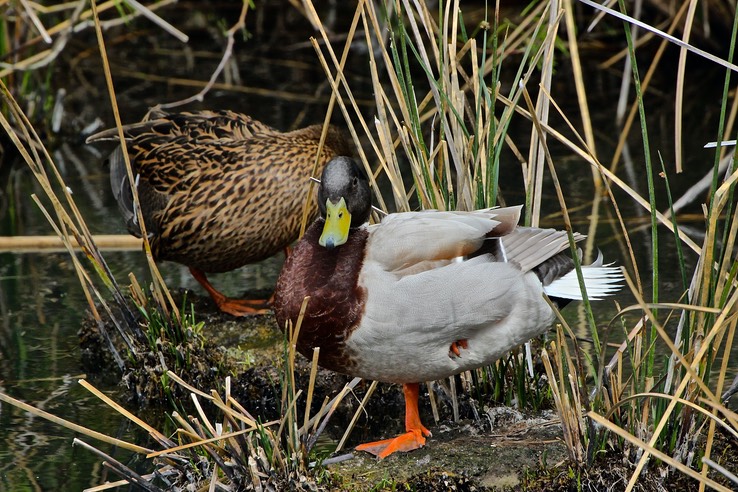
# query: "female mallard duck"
{"type": "Point", "coordinates": [218, 190]}
{"type": "Point", "coordinates": [422, 295]}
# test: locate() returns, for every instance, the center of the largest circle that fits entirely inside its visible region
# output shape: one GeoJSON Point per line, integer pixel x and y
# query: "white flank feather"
{"type": "Point", "coordinates": [599, 280]}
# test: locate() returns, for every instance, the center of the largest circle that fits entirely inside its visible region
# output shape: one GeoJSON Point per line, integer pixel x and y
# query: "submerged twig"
{"type": "Point", "coordinates": [131, 476]}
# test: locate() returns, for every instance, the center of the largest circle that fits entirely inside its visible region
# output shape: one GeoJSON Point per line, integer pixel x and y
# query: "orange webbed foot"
{"type": "Point", "coordinates": [416, 433]}
{"type": "Point", "coordinates": [242, 307]}
{"type": "Point", "coordinates": [408, 441]}
{"type": "Point", "coordinates": [234, 307]}
{"type": "Point", "coordinates": [455, 348]}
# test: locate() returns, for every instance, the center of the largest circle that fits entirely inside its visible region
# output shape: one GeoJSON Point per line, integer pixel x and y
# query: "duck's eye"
{"type": "Point", "coordinates": [354, 181]}
{"type": "Point", "coordinates": [340, 215]}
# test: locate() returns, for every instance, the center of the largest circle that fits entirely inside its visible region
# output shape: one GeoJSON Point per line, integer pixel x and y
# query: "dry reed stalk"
{"type": "Point", "coordinates": [311, 386]}
{"type": "Point", "coordinates": [717, 406]}
{"type": "Point", "coordinates": [567, 221]}
{"type": "Point", "coordinates": [538, 154]}
{"type": "Point", "coordinates": [662, 34]}
{"type": "Point", "coordinates": [313, 17]}
{"type": "Point", "coordinates": [682, 387]}
{"type": "Point", "coordinates": [342, 105]}
{"type": "Point", "coordinates": [648, 310]}
{"type": "Point", "coordinates": [612, 178]}
{"type": "Point", "coordinates": [564, 392]}
{"type": "Point", "coordinates": [653, 66]}
{"type": "Point", "coordinates": [34, 244]}
{"type": "Point", "coordinates": [160, 290]}
{"type": "Point", "coordinates": [68, 224]}
{"type": "Point", "coordinates": [162, 439]}
{"type": "Point", "coordinates": [573, 44]}
{"type": "Point", "coordinates": [648, 448]}
{"type": "Point", "coordinates": [131, 477]}
{"type": "Point", "coordinates": [589, 137]}
{"type": "Point", "coordinates": [356, 416]}
{"type": "Point", "coordinates": [71, 425]}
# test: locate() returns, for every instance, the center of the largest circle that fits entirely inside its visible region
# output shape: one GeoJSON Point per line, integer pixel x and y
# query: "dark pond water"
{"type": "Point", "coordinates": [41, 302]}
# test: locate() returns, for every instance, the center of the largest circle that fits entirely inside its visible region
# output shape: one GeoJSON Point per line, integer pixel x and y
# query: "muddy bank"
{"type": "Point", "coordinates": [464, 455]}
{"type": "Point", "coordinates": [489, 448]}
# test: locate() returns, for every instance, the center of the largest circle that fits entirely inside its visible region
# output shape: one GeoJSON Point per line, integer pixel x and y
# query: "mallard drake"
{"type": "Point", "coordinates": [218, 189]}
{"type": "Point", "coordinates": [422, 295]}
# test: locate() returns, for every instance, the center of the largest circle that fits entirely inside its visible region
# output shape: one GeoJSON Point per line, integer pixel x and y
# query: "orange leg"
{"type": "Point", "coordinates": [463, 343]}
{"type": "Point", "coordinates": [415, 436]}
{"type": "Point", "coordinates": [235, 307]}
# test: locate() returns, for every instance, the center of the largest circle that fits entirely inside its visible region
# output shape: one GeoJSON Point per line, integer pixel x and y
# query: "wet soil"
{"type": "Point", "coordinates": [465, 456]}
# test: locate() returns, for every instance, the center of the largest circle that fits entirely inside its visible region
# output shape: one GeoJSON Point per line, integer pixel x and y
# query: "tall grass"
{"type": "Point", "coordinates": [441, 112]}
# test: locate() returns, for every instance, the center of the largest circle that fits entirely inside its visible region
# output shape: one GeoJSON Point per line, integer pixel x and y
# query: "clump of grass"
{"type": "Point", "coordinates": [510, 382]}
{"type": "Point", "coordinates": [172, 344]}
{"type": "Point", "coordinates": [225, 449]}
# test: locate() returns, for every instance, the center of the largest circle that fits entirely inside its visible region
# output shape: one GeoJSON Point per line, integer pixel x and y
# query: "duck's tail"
{"type": "Point", "coordinates": [600, 280]}
{"type": "Point", "coordinates": [121, 187]}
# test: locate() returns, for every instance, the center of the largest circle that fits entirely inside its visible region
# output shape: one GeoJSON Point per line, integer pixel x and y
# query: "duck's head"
{"type": "Point", "coordinates": [344, 199]}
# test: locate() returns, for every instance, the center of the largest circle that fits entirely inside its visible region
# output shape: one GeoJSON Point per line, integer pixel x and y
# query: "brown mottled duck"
{"type": "Point", "coordinates": [218, 189]}
{"type": "Point", "coordinates": [422, 295]}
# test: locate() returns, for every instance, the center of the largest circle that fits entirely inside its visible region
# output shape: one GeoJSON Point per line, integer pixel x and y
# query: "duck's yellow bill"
{"type": "Point", "coordinates": [337, 224]}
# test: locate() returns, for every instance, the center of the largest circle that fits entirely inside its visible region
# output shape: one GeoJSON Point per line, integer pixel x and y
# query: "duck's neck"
{"type": "Point", "coordinates": [339, 266]}
{"type": "Point", "coordinates": [331, 279]}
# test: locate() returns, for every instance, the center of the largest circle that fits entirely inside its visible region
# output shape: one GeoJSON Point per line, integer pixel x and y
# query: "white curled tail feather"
{"type": "Point", "coordinates": [599, 280]}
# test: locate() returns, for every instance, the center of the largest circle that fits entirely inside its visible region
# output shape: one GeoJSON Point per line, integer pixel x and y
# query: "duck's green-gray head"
{"type": "Point", "coordinates": [344, 199]}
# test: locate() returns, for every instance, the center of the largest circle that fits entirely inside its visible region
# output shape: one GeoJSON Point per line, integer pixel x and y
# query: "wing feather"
{"type": "Point", "coordinates": [404, 241]}
{"type": "Point", "coordinates": [531, 246]}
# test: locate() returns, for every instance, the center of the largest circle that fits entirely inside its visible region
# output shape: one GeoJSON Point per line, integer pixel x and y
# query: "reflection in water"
{"type": "Point", "coordinates": [41, 305]}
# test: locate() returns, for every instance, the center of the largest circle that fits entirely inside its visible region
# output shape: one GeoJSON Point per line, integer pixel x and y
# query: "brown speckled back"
{"type": "Point", "coordinates": [220, 190]}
